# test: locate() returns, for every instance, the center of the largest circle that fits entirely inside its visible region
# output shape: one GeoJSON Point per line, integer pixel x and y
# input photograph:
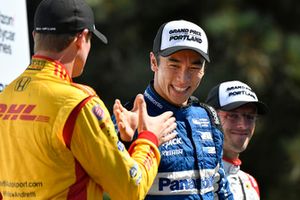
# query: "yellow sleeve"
{"type": "Point", "coordinates": [96, 146]}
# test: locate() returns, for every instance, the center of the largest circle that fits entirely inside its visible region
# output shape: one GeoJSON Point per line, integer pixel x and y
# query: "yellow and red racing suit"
{"type": "Point", "coordinates": [58, 142]}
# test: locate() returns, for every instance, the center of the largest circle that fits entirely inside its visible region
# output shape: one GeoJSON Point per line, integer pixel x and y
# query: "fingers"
{"type": "Point", "coordinates": [167, 137]}
{"type": "Point", "coordinates": [168, 121]}
{"type": "Point", "coordinates": [119, 119]}
{"type": "Point", "coordinates": [142, 113]}
{"type": "Point", "coordinates": [118, 112]}
{"type": "Point", "coordinates": [170, 126]}
{"type": "Point", "coordinates": [139, 101]}
{"type": "Point", "coordinates": [117, 106]}
{"type": "Point", "coordinates": [118, 109]}
{"type": "Point", "coordinates": [168, 132]}
{"type": "Point", "coordinates": [135, 104]}
{"type": "Point", "coordinates": [166, 116]}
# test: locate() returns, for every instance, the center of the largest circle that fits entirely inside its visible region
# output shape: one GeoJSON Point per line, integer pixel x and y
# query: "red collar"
{"type": "Point", "coordinates": [234, 161]}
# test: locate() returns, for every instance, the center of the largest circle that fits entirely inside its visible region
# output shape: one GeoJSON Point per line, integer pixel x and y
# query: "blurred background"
{"type": "Point", "coordinates": [256, 41]}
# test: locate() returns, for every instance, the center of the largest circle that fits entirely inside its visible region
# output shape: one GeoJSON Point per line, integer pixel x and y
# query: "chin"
{"type": "Point", "coordinates": [179, 103]}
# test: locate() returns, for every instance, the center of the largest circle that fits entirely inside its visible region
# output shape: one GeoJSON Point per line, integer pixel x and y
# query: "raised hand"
{"type": "Point", "coordinates": [127, 121]}
{"type": "Point", "coordinates": [162, 125]}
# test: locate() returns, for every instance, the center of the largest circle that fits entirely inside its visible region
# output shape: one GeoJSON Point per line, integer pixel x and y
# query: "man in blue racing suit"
{"type": "Point", "coordinates": [191, 163]}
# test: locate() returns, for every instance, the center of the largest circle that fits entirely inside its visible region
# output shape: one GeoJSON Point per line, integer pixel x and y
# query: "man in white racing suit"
{"type": "Point", "coordinates": [238, 107]}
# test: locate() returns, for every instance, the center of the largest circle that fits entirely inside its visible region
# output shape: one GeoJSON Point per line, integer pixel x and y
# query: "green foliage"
{"type": "Point", "coordinates": [292, 149]}
{"type": "Point", "coordinates": [292, 54]}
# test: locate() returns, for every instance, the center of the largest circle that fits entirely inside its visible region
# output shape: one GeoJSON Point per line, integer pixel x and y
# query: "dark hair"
{"type": "Point", "coordinates": [157, 57]}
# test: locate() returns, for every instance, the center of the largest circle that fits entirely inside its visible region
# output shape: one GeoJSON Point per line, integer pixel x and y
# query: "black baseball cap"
{"type": "Point", "coordinates": [178, 35]}
{"type": "Point", "coordinates": [65, 16]}
{"type": "Point", "coordinates": [230, 95]}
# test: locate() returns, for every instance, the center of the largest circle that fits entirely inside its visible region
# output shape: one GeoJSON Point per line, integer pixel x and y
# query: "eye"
{"type": "Point", "coordinates": [173, 66]}
{"type": "Point", "coordinates": [233, 116]}
{"type": "Point", "coordinates": [195, 67]}
{"type": "Point", "coordinates": [250, 117]}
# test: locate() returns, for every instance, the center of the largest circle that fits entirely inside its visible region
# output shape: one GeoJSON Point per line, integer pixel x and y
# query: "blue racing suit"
{"type": "Point", "coordinates": [191, 163]}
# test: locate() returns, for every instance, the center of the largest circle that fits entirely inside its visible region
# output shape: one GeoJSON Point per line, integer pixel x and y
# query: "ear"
{"type": "Point", "coordinates": [153, 62]}
{"type": "Point", "coordinates": [81, 38]}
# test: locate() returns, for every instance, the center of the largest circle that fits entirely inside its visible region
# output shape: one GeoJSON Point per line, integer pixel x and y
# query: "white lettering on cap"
{"type": "Point", "coordinates": [183, 33]}
{"type": "Point", "coordinates": [234, 91]}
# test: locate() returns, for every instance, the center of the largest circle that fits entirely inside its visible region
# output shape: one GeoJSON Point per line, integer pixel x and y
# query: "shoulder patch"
{"type": "Point", "coordinates": [98, 112]}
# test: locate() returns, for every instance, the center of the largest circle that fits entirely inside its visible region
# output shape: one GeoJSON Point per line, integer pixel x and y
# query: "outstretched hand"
{"type": "Point", "coordinates": [127, 121]}
{"type": "Point", "coordinates": [162, 125]}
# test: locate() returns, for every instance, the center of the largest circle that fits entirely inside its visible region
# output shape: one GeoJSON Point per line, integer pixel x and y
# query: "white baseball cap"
{"type": "Point", "coordinates": [230, 95]}
{"type": "Point", "coordinates": [178, 35]}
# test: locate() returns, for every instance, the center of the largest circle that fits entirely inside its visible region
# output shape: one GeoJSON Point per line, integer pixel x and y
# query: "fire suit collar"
{"type": "Point", "coordinates": [230, 168]}
{"type": "Point", "coordinates": [234, 161]}
{"type": "Point", "coordinates": [161, 103]}
{"type": "Point", "coordinates": [39, 62]}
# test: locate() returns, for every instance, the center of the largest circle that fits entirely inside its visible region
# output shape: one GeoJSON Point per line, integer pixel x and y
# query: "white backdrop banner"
{"type": "Point", "coordinates": [14, 41]}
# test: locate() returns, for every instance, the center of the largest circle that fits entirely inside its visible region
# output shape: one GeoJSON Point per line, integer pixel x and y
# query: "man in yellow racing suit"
{"type": "Point", "coordinates": [57, 138]}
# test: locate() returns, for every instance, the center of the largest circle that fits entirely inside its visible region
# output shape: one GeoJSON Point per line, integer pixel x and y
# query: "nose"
{"type": "Point", "coordinates": [242, 122]}
{"type": "Point", "coordinates": [183, 75]}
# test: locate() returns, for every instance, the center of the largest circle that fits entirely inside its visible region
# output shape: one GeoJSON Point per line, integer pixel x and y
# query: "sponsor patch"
{"type": "Point", "coordinates": [174, 141]}
{"type": "Point", "coordinates": [205, 135]}
{"type": "Point", "coordinates": [133, 171]}
{"type": "Point", "coordinates": [173, 152]}
{"type": "Point", "coordinates": [202, 122]}
{"type": "Point", "coordinates": [20, 112]}
{"type": "Point", "coordinates": [98, 112]}
{"type": "Point", "coordinates": [120, 146]}
{"type": "Point", "coordinates": [156, 103]}
{"type": "Point", "coordinates": [210, 150]}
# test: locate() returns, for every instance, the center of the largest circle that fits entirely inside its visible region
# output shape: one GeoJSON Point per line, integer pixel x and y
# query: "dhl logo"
{"type": "Point", "coordinates": [20, 112]}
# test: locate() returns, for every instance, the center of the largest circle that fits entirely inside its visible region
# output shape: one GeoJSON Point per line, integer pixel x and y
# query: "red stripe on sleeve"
{"type": "Point", "coordinates": [77, 191]}
{"type": "Point", "coordinates": [70, 123]}
{"type": "Point", "coordinates": [145, 135]}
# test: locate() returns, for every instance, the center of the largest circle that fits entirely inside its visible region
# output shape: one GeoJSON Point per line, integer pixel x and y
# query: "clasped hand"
{"type": "Point", "coordinates": [138, 119]}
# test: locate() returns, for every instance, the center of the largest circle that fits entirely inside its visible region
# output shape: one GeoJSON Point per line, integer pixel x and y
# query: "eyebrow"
{"type": "Point", "coordinates": [197, 62]}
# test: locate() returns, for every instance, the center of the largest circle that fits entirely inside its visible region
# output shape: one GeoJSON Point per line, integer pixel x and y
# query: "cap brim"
{"type": "Point", "coordinates": [172, 50]}
{"type": "Point", "coordinates": [261, 107]}
{"type": "Point", "coordinates": [100, 36]}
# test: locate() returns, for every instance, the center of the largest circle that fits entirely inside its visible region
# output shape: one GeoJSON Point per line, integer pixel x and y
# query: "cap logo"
{"type": "Point", "coordinates": [180, 35]}
{"type": "Point", "coordinates": [235, 91]}
{"type": "Point", "coordinates": [230, 95]}
{"type": "Point", "coordinates": [185, 34]}
{"type": "Point", "coordinates": [45, 29]}
{"type": "Point", "coordinates": [240, 90]}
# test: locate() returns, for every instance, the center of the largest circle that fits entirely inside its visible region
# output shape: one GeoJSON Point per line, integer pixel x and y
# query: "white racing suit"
{"type": "Point", "coordinates": [242, 185]}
